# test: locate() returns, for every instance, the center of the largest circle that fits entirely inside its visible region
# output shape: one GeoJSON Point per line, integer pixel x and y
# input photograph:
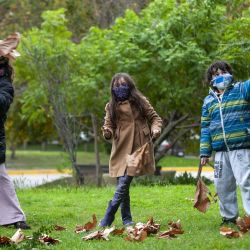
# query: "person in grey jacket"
{"type": "Point", "coordinates": [225, 129]}
{"type": "Point", "coordinates": [11, 213]}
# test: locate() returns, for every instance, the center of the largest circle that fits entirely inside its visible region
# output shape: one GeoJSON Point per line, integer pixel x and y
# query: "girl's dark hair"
{"type": "Point", "coordinates": [136, 98]}
{"type": "Point", "coordinates": [222, 65]}
{"type": "Point", "coordinates": [6, 67]}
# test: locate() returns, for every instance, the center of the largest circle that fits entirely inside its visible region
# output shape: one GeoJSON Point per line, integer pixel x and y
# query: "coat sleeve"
{"type": "Point", "coordinates": [107, 121]}
{"type": "Point", "coordinates": [205, 139]}
{"type": "Point", "coordinates": [6, 95]}
{"type": "Point", "coordinates": [245, 88]}
{"type": "Point", "coordinates": [153, 118]}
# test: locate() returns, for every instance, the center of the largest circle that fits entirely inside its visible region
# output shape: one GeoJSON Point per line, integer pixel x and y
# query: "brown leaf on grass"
{"type": "Point", "coordinates": [95, 235]}
{"type": "Point", "coordinates": [174, 228]}
{"type": "Point", "coordinates": [169, 234]}
{"type": "Point", "coordinates": [229, 232]}
{"type": "Point", "coordinates": [201, 201]}
{"type": "Point", "coordinates": [99, 235]}
{"type": "Point", "coordinates": [243, 224]}
{"type": "Point", "coordinates": [176, 225]}
{"type": "Point", "coordinates": [88, 226]}
{"type": "Point", "coordinates": [151, 227]}
{"type": "Point", "coordinates": [47, 240]}
{"type": "Point", "coordinates": [5, 241]}
{"type": "Point", "coordinates": [136, 234]}
{"type": "Point", "coordinates": [59, 228]}
{"type": "Point", "coordinates": [118, 231]}
{"type": "Point", "coordinates": [18, 236]}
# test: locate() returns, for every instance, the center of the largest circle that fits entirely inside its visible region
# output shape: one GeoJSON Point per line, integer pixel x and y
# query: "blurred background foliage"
{"type": "Point", "coordinates": [71, 49]}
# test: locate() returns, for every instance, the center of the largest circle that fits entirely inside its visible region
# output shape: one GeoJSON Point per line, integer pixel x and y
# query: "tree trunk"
{"type": "Point", "coordinates": [13, 152]}
{"type": "Point", "coordinates": [97, 155]}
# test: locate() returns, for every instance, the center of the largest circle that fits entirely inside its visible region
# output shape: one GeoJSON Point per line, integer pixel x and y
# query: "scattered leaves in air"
{"type": "Point", "coordinates": [99, 235]}
{"type": "Point", "coordinates": [59, 228]}
{"type": "Point", "coordinates": [88, 226]}
{"type": "Point", "coordinates": [174, 229]}
{"type": "Point", "coordinates": [47, 240]}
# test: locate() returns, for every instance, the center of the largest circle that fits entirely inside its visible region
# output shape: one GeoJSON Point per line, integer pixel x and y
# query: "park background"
{"type": "Point", "coordinates": [69, 52]}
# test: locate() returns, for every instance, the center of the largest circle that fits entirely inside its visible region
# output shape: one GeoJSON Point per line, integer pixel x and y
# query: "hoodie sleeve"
{"type": "Point", "coordinates": [245, 88]}
{"type": "Point", "coordinates": [205, 139]}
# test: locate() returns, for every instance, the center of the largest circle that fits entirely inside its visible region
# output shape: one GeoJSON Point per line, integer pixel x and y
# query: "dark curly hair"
{"type": "Point", "coordinates": [136, 98]}
{"type": "Point", "coordinates": [5, 68]}
{"type": "Point", "coordinates": [222, 65]}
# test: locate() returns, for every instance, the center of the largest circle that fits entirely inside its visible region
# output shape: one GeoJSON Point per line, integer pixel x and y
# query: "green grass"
{"type": "Point", "coordinates": [173, 161]}
{"type": "Point", "coordinates": [73, 206]}
{"type": "Point", "coordinates": [31, 159]}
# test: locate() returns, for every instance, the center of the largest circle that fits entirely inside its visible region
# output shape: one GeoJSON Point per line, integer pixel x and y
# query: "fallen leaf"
{"type": "Point", "coordinates": [229, 232]}
{"type": "Point", "coordinates": [201, 201]}
{"type": "Point", "coordinates": [118, 231]}
{"type": "Point", "coordinates": [18, 236]}
{"type": "Point", "coordinates": [98, 235]}
{"type": "Point", "coordinates": [59, 228]}
{"type": "Point", "coordinates": [243, 224]}
{"type": "Point", "coordinates": [5, 241]}
{"type": "Point", "coordinates": [174, 228]}
{"type": "Point", "coordinates": [107, 231]}
{"type": "Point", "coordinates": [136, 235]}
{"type": "Point", "coordinates": [88, 226]}
{"type": "Point", "coordinates": [176, 225]}
{"type": "Point", "coordinates": [151, 227]}
{"type": "Point", "coordinates": [167, 235]}
{"type": "Point", "coordinates": [47, 240]}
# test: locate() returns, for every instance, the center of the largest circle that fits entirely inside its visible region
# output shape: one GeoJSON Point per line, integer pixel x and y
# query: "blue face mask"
{"type": "Point", "coordinates": [222, 81]}
{"type": "Point", "coordinates": [122, 92]}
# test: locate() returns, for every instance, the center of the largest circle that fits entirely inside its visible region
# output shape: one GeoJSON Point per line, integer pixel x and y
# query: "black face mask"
{"type": "Point", "coordinates": [122, 92]}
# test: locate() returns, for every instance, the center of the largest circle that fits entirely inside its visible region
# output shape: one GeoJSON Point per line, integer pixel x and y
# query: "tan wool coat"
{"type": "Point", "coordinates": [131, 133]}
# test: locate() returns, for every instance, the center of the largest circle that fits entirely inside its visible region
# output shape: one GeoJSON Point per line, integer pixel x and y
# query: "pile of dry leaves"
{"type": "Point", "coordinates": [137, 233]}
{"type": "Point", "coordinates": [243, 225]}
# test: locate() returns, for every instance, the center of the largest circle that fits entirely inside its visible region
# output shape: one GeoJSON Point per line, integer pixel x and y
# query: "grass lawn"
{"type": "Point", "coordinates": [31, 159]}
{"type": "Point", "coordinates": [69, 207]}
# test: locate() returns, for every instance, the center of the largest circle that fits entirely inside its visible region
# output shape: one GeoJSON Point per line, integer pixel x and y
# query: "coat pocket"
{"type": "Point", "coordinates": [117, 133]}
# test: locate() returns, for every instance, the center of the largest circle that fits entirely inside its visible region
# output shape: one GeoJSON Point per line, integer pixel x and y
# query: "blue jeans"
{"type": "Point", "coordinates": [121, 198]}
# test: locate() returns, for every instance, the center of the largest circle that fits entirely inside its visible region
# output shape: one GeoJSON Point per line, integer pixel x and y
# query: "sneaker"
{"type": "Point", "coordinates": [226, 221]}
{"type": "Point", "coordinates": [22, 225]}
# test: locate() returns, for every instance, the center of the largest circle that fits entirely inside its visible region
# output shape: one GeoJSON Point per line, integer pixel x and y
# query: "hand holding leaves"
{"type": "Point", "coordinates": [106, 133]}
{"type": "Point", "coordinates": [155, 133]}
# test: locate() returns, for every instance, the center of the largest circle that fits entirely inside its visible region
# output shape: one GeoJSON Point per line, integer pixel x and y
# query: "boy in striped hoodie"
{"type": "Point", "coordinates": [225, 129]}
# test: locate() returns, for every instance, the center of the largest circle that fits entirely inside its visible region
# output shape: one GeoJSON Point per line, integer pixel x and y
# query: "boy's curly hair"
{"type": "Point", "coordinates": [222, 65]}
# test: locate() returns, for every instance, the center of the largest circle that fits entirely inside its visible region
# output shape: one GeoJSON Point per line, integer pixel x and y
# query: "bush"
{"type": "Point", "coordinates": [162, 180]}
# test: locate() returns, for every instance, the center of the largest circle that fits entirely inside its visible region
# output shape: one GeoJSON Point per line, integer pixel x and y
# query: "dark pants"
{"type": "Point", "coordinates": [121, 198]}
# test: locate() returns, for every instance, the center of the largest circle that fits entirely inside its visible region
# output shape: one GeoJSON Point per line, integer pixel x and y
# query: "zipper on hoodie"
{"type": "Point", "coordinates": [221, 120]}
